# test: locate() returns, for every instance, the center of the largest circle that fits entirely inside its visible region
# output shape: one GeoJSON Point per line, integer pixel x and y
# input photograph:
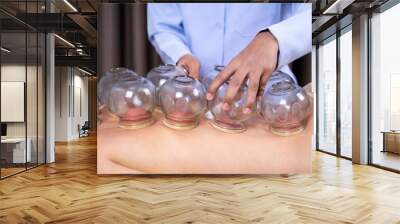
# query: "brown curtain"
{"type": "Point", "coordinates": [92, 96]}
{"type": "Point", "coordinates": [122, 38]}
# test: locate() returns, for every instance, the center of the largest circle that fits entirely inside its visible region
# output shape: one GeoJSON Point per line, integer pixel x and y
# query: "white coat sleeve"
{"type": "Point", "coordinates": [293, 32]}
{"type": "Point", "coordinates": [166, 32]}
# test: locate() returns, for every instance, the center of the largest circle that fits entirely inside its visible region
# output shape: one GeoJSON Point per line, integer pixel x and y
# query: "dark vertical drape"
{"type": "Point", "coordinates": [122, 38]}
{"type": "Point", "coordinates": [92, 107]}
{"type": "Point", "coordinates": [302, 69]}
{"type": "Point", "coordinates": [108, 37]}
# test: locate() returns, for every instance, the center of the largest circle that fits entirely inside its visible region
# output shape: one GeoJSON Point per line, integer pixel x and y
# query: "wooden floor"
{"type": "Point", "coordinates": [5, 172]}
{"type": "Point", "coordinates": [387, 159]}
{"type": "Point", "coordinates": [69, 191]}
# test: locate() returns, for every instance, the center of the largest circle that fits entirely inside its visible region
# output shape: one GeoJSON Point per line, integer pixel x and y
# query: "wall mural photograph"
{"type": "Point", "coordinates": [205, 88]}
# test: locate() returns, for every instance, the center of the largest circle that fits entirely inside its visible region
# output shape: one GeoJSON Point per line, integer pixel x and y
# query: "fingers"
{"type": "Point", "coordinates": [265, 75]}
{"type": "Point", "coordinates": [191, 65]}
{"type": "Point", "coordinates": [234, 85]}
{"type": "Point", "coordinates": [194, 70]}
{"type": "Point", "coordinates": [262, 82]}
{"type": "Point", "coordinates": [264, 79]}
{"type": "Point", "coordinates": [254, 83]}
{"type": "Point", "coordinates": [219, 80]}
{"type": "Point", "coordinates": [184, 66]}
{"type": "Point", "coordinates": [182, 63]}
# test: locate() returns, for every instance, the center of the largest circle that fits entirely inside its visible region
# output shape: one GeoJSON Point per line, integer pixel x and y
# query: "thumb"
{"type": "Point", "coordinates": [194, 71]}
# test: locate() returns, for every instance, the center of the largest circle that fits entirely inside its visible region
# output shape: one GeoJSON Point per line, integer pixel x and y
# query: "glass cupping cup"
{"type": "Point", "coordinates": [162, 73]}
{"type": "Point", "coordinates": [183, 101]}
{"type": "Point", "coordinates": [285, 106]}
{"type": "Point", "coordinates": [133, 100]}
{"type": "Point", "coordinates": [231, 120]}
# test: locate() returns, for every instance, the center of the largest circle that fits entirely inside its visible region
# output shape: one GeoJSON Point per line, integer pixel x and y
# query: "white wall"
{"type": "Point", "coordinates": [33, 127]}
{"type": "Point", "coordinates": [12, 73]}
{"type": "Point", "coordinates": [71, 94]}
{"type": "Point", "coordinates": [61, 103]}
{"type": "Point", "coordinates": [80, 110]}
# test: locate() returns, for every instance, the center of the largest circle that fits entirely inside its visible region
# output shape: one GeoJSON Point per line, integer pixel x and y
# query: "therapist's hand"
{"type": "Point", "coordinates": [256, 62]}
{"type": "Point", "coordinates": [191, 64]}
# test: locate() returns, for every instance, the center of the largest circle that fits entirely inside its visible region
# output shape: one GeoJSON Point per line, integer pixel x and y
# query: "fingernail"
{"type": "Point", "coordinates": [225, 106]}
{"type": "Point", "coordinates": [247, 110]}
{"type": "Point", "coordinates": [209, 96]}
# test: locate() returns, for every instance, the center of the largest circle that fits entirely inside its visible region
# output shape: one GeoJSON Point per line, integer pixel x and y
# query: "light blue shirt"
{"type": "Point", "coordinates": [216, 32]}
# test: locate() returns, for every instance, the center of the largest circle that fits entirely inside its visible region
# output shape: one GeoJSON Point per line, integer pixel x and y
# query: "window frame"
{"type": "Point", "coordinates": [334, 37]}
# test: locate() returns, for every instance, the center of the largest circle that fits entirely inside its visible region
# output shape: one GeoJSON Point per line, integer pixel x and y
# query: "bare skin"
{"type": "Point", "coordinates": [256, 62]}
{"type": "Point", "coordinates": [255, 151]}
{"type": "Point", "coordinates": [191, 64]}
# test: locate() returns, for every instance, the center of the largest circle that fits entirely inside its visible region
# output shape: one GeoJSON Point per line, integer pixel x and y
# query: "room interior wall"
{"type": "Point", "coordinates": [15, 72]}
{"type": "Point", "coordinates": [71, 102]}
{"type": "Point", "coordinates": [61, 103]}
{"type": "Point", "coordinates": [80, 102]}
{"type": "Point", "coordinates": [33, 126]}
